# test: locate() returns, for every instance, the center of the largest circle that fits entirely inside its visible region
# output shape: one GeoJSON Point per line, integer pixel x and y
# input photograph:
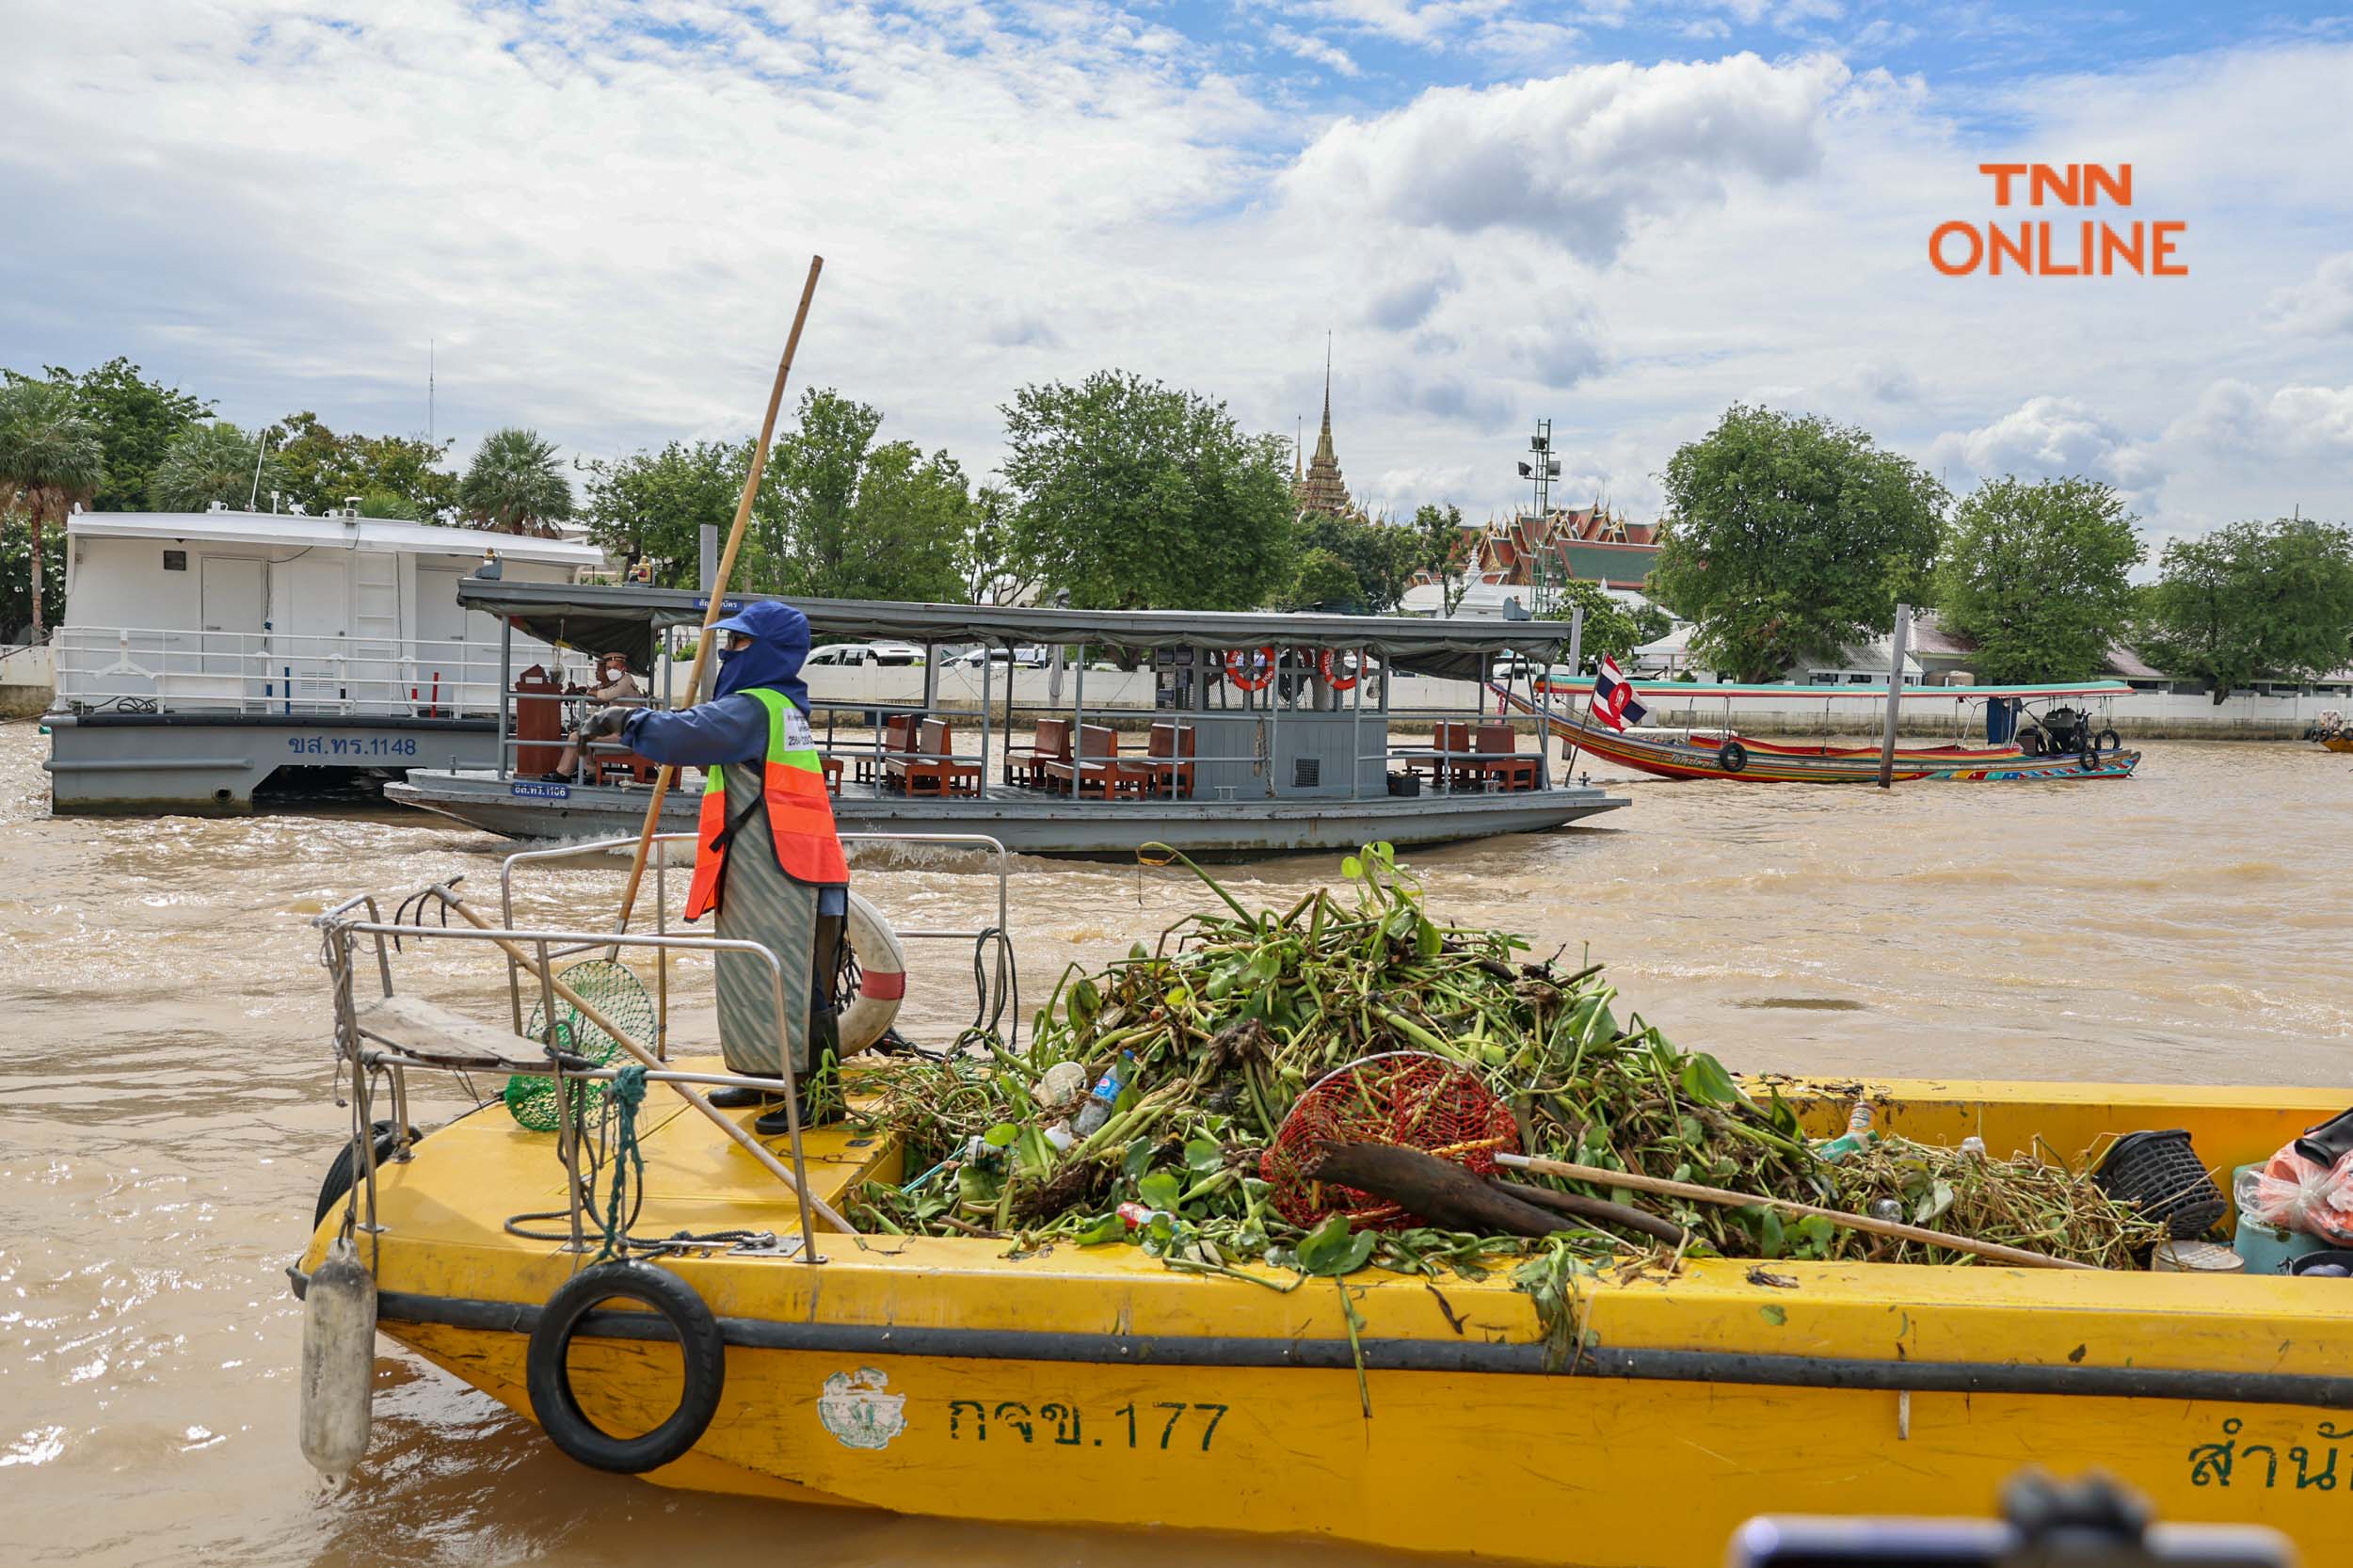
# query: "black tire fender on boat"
{"type": "Point", "coordinates": [1732, 756]}
{"type": "Point", "coordinates": [340, 1175]}
{"type": "Point", "coordinates": [2107, 740]}
{"type": "Point", "coordinates": [701, 1350]}
{"type": "Point", "coordinates": [2089, 762]}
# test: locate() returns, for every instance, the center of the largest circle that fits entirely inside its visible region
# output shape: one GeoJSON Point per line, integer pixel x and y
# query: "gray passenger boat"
{"type": "Point", "coordinates": [1217, 734]}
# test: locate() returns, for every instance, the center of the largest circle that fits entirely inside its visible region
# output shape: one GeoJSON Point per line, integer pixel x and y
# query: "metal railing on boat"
{"type": "Point", "coordinates": [369, 1051]}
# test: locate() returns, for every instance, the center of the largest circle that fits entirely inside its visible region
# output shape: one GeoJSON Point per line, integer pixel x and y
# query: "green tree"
{"type": "Point", "coordinates": [1613, 628]}
{"type": "Point", "coordinates": [136, 419]}
{"type": "Point", "coordinates": [1324, 581]}
{"type": "Point", "coordinates": [1787, 537]}
{"type": "Point", "coordinates": [208, 463]}
{"type": "Point", "coordinates": [1136, 495]}
{"type": "Point", "coordinates": [515, 485]}
{"type": "Point", "coordinates": [1374, 561]}
{"type": "Point", "coordinates": [1446, 552]}
{"type": "Point", "coordinates": [51, 456]}
{"type": "Point", "coordinates": [2035, 574]}
{"type": "Point", "coordinates": [994, 573]}
{"type": "Point", "coordinates": [323, 468]}
{"type": "Point", "coordinates": [2251, 602]}
{"type": "Point", "coordinates": [842, 515]}
{"type": "Point", "coordinates": [651, 506]}
{"type": "Point", "coordinates": [387, 503]}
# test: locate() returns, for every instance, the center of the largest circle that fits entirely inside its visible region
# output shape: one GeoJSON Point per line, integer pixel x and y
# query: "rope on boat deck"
{"type": "Point", "coordinates": [628, 1161]}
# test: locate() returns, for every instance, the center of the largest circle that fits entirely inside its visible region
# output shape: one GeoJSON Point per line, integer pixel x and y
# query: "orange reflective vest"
{"type": "Point", "coordinates": [800, 817]}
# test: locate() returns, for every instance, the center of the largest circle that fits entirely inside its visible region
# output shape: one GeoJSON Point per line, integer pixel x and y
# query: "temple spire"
{"type": "Point", "coordinates": [1321, 489]}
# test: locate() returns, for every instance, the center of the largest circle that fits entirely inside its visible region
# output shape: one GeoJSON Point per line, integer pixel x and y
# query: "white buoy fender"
{"type": "Point", "coordinates": [882, 981]}
{"type": "Point", "coordinates": [337, 1362]}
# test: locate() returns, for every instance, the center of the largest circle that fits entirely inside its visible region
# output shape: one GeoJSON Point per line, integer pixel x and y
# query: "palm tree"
{"type": "Point", "coordinates": [515, 485]}
{"type": "Point", "coordinates": [50, 457]}
{"type": "Point", "coordinates": [207, 463]}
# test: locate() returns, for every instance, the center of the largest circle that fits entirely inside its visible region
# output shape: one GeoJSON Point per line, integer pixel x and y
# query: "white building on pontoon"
{"type": "Point", "coordinates": [203, 651]}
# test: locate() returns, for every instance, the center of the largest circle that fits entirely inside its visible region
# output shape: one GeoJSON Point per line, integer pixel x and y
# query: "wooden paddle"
{"type": "Point", "coordinates": [714, 614]}
{"type": "Point", "coordinates": [1640, 1183]}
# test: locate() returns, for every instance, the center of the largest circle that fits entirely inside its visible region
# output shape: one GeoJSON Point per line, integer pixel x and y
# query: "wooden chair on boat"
{"type": "Point", "coordinates": [937, 746]}
{"type": "Point", "coordinates": [1432, 761]}
{"type": "Point", "coordinates": [1095, 768]}
{"type": "Point", "coordinates": [900, 768]}
{"type": "Point", "coordinates": [1501, 761]}
{"type": "Point", "coordinates": [1166, 771]}
{"type": "Point", "coordinates": [898, 734]}
{"type": "Point", "coordinates": [1453, 739]}
{"type": "Point", "coordinates": [1026, 764]}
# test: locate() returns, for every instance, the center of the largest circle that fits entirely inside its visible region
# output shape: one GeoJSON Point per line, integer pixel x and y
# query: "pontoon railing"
{"type": "Point", "coordinates": [283, 672]}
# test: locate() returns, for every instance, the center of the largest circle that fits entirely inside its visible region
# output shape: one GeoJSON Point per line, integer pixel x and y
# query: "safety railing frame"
{"type": "Point", "coordinates": [573, 851]}
{"type": "Point", "coordinates": [353, 1049]}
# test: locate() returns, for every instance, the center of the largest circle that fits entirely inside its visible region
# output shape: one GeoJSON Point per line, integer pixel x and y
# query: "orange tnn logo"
{"type": "Point", "coordinates": [2045, 247]}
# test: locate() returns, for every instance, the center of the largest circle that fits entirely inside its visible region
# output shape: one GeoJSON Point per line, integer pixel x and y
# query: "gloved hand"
{"type": "Point", "coordinates": [605, 721]}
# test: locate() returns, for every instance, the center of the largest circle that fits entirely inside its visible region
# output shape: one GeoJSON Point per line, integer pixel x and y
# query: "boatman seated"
{"type": "Point", "coordinates": [766, 858]}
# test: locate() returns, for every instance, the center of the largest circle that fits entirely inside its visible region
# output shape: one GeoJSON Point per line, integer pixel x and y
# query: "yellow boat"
{"type": "Point", "coordinates": [2338, 743]}
{"type": "Point", "coordinates": [1092, 1385]}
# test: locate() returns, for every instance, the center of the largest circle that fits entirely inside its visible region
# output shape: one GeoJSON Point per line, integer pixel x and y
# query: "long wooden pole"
{"type": "Point", "coordinates": [688, 1092]}
{"type": "Point", "coordinates": [1660, 1185]}
{"type": "Point", "coordinates": [718, 588]}
{"type": "Point", "coordinates": [1896, 644]}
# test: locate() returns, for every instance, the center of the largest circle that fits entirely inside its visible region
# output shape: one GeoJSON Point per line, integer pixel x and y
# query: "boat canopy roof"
{"type": "Point", "coordinates": [622, 618]}
{"type": "Point", "coordinates": [1707, 691]}
{"type": "Point", "coordinates": [331, 531]}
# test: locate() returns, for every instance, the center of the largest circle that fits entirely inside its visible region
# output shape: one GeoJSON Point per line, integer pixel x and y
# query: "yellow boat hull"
{"type": "Point", "coordinates": [1092, 1385]}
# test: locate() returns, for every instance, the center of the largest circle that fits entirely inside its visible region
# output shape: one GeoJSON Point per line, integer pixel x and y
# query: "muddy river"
{"type": "Point", "coordinates": [164, 1111]}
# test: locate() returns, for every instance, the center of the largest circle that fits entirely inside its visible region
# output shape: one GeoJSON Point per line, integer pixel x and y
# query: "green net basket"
{"type": "Point", "coordinates": [613, 990]}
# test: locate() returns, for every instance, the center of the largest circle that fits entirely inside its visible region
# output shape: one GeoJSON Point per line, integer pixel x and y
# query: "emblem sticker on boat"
{"type": "Point", "coordinates": [856, 1410]}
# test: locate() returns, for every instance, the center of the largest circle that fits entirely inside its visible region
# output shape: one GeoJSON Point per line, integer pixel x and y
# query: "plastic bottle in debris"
{"type": "Point", "coordinates": [1860, 1134]}
{"type": "Point", "coordinates": [1974, 1146]}
{"type": "Point", "coordinates": [1097, 1109]}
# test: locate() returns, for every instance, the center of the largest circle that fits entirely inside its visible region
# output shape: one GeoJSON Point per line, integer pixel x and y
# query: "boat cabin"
{"type": "Point", "coordinates": [1217, 732]}
{"type": "Point", "coordinates": [200, 652]}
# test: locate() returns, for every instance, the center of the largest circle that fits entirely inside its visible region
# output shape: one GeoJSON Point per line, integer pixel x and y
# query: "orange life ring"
{"type": "Point", "coordinates": [1235, 671]}
{"type": "Point", "coordinates": [1338, 683]}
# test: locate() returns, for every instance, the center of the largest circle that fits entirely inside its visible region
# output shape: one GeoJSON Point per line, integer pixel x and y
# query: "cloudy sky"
{"type": "Point", "coordinates": [1622, 215]}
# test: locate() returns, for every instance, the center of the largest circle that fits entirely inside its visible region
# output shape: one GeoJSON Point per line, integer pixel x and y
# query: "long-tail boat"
{"type": "Point", "coordinates": [2052, 743]}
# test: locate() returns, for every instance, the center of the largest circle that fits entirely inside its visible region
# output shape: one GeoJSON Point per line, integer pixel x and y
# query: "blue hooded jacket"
{"type": "Point", "coordinates": [732, 727]}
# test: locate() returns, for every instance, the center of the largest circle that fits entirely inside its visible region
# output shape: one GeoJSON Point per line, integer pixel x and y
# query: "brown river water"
{"type": "Point", "coordinates": [165, 1114]}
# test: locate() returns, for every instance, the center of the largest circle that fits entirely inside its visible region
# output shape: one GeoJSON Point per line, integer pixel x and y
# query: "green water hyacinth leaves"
{"type": "Point", "coordinates": [1331, 1248]}
{"type": "Point", "coordinates": [1705, 1079]}
{"type": "Point", "coordinates": [1232, 1014]}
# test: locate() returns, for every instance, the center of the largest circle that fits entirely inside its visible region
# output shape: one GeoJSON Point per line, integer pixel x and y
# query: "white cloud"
{"type": "Point", "coordinates": [1579, 158]}
{"type": "Point", "coordinates": [1313, 50]}
{"type": "Point", "coordinates": [2045, 437]}
{"type": "Point", "coordinates": [2321, 305]}
{"type": "Point", "coordinates": [2289, 421]}
{"type": "Point", "coordinates": [601, 212]}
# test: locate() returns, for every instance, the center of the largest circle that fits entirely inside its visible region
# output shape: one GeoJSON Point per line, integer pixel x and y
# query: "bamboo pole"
{"type": "Point", "coordinates": [693, 1096]}
{"type": "Point", "coordinates": [1660, 1185]}
{"type": "Point", "coordinates": [718, 587]}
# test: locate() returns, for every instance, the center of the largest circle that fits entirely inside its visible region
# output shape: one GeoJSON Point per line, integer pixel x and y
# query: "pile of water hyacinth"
{"type": "Point", "coordinates": [1219, 1027]}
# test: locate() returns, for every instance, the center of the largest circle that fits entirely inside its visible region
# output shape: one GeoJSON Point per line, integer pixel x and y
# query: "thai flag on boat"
{"type": "Point", "coordinates": [1613, 698]}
